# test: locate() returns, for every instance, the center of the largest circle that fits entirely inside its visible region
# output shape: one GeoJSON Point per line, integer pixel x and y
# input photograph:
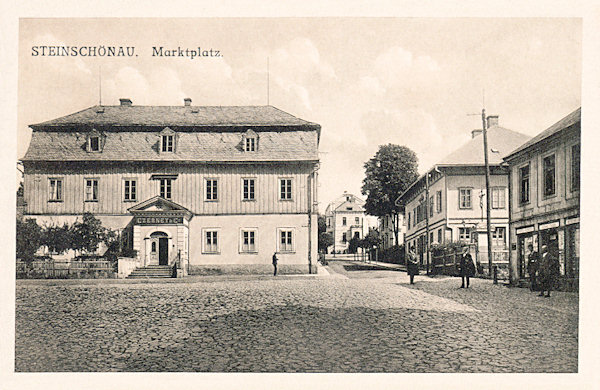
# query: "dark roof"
{"type": "Point", "coordinates": [190, 146]}
{"type": "Point", "coordinates": [189, 116]}
{"type": "Point", "coordinates": [500, 139]}
{"type": "Point", "coordinates": [567, 121]}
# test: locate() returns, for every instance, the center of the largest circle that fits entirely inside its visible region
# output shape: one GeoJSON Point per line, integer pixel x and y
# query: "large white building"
{"type": "Point", "coordinates": [214, 187]}
{"type": "Point", "coordinates": [346, 218]}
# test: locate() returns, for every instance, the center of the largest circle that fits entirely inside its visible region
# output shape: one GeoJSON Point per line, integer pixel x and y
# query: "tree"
{"type": "Point", "coordinates": [325, 241]}
{"type": "Point", "coordinates": [353, 244]}
{"type": "Point", "coordinates": [322, 224]}
{"type": "Point", "coordinates": [88, 234]}
{"type": "Point", "coordinates": [29, 239]}
{"type": "Point", "coordinates": [371, 239]}
{"type": "Point", "coordinates": [58, 239]}
{"type": "Point", "coordinates": [387, 175]}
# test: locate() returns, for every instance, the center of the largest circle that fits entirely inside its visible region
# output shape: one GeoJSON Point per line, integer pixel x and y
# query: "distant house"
{"type": "Point", "coordinates": [202, 186]}
{"type": "Point", "coordinates": [345, 218]}
{"type": "Point", "coordinates": [545, 192]}
{"type": "Point", "coordinates": [386, 231]}
{"type": "Point", "coordinates": [448, 202]}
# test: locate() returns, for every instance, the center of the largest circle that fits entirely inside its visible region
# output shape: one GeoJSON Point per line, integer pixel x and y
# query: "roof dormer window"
{"type": "Point", "coordinates": [168, 140]}
{"type": "Point", "coordinates": [250, 141]}
{"type": "Point", "coordinates": [94, 141]}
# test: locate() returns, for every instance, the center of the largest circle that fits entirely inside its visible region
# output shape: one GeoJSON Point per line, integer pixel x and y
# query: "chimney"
{"type": "Point", "coordinates": [476, 132]}
{"type": "Point", "coordinates": [125, 101]}
{"type": "Point", "coordinates": [187, 102]}
{"type": "Point", "coordinates": [492, 120]}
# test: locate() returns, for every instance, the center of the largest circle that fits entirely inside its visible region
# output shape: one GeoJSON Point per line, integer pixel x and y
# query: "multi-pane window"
{"type": "Point", "coordinates": [167, 143]}
{"type": "Point", "coordinates": [130, 190]}
{"type": "Point", "coordinates": [439, 234]}
{"type": "Point", "coordinates": [91, 190]}
{"type": "Point", "coordinates": [356, 220]}
{"type": "Point", "coordinates": [575, 166]}
{"type": "Point", "coordinates": [94, 144]}
{"type": "Point", "coordinates": [549, 175]}
{"type": "Point", "coordinates": [464, 198]}
{"type": "Point", "coordinates": [165, 188]}
{"type": "Point", "coordinates": [285, 189]}
{"type": "Point", "coordinates": [250, 144]}
{"type": "Point", "coordinates": [409, 220]}
{"type": "Point", "coordinates": [248, 241]}
{"type": "Point", "coordinates": [431, 206]}
{"type": "Point", "coordinates": [498, 236]}
{"type": "Point", "coordinates": [415, 220]}
{"type": "Point", "coordinates": [464, 234]}
{"type": "Point", "coordinates": [438, 201]}
{"type": "Point", "coordinates": [286, 241]}
{"type": "Point", "coordinates": [248, 188]}
{"type": "Point", "coordinates": [344, 221]}
{"type": "Point", "coordinates": [211, 241]}
{"type": "Point", "coordinates": [524, 184]}
{"type": "Point", "coordinates": [498, 197]}
{"type": "Point", "coordinates": [211, 189]}
{"type": "Point", "coordinates": [55, 189]}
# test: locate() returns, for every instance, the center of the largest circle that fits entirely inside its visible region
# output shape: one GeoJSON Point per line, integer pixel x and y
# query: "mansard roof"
{"type": "Point", "coordinates": [204, 134]}
{"type": "Point", "coordinates": [176, 116]}
{"type": "Point", "coordinates": [191, 146]}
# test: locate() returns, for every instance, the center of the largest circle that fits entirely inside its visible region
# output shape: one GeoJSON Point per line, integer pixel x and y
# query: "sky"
{"type": "Point", "coordinates": [366, 81]}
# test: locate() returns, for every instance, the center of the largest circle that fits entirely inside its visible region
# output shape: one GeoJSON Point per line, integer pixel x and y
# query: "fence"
{"type": "Point", "coordinates": [445, 262]}
{"type": "Point", "coordinates": [74, 269]}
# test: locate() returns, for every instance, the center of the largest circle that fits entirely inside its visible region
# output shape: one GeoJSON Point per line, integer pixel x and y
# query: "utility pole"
{"type": "Point", "coordinates": [427, 205]}
{"type": "Point", "coordinates": [487, 191]}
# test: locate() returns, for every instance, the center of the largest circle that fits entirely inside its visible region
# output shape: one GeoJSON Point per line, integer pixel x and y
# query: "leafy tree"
{"type": "Point", "coordinates": [322, 224]}
{"type": "Point", "coordinates": [325, 241]}
{"type": "Point", "coordinates": [353, 244]}
{"type": "Point", "coordinates": [20, 189]}
{"type": "Point", "coordinates": [58, 239]}
{"type": "Point", "coordinates": [371, 239]}
{"type": "Point", "coordinates": [387, 175]}
{"type": "Point", "coordinates": [29, 239]}
{"type": "Point", "coordinates": [88, 234]}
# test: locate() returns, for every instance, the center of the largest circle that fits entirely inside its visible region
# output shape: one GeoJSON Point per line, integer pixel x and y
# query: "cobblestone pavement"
{"type": "Point", "coordinates": [358, 321]}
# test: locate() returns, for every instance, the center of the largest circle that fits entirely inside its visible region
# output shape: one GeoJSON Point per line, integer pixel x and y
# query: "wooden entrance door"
{"type": "Point", "coordinates": [163, 251]}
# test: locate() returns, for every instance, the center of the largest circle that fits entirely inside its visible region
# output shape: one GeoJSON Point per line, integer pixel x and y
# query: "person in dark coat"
{"type": "Point", "coordinates": [533, 264]}
{"type": "Point", "coordinates": [412, 265]}
{"type": "Point", "coordinates": [549, 271]}
{"type": "Point", "coordinates": [466, 267]}
{"type": "Point", "coordinates": [275, 259]}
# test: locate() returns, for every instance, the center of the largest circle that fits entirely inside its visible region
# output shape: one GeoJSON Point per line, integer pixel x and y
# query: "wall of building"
{"type": "Point", "coordinates": [189, 188]}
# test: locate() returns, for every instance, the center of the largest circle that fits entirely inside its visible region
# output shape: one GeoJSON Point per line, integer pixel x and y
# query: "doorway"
{"type": "Point", "coordinates": [159, 252]}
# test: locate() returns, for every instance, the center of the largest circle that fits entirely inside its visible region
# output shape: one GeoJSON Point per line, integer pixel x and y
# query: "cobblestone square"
{"type": "Point", "coordinates": [349, 321]}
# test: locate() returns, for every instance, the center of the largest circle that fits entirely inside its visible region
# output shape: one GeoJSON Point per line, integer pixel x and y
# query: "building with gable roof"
{"type": "Point", "coordinates": [447, 203]}
{"type": "Point", "coordinates": [211, 187]}
{"type": "Point", "coordinates": [545, 196]}
{"type": "Point", "coordinates": [345, 218]}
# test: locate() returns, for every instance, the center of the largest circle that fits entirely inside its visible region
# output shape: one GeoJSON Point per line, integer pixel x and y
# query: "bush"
{"type": "Point", "coordinates": [393, 254]}
{"type": "Point", "coordinates": [29, 239]}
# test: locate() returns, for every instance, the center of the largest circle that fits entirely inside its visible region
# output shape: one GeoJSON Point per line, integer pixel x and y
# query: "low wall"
{"type": "Point", "coordinates": [249, 269]}
{"type": "Point", "coordinates": [126, 265]}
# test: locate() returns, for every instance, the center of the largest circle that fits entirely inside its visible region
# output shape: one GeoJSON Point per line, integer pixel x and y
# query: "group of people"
{"type": "Point", "coordinates": [543, 270]}
{"type": "Point", "coordinates": [466, 266]}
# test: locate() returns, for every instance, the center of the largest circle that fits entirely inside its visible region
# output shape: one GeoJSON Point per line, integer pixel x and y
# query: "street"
{"type": "Point", "coordinates": [347, 321]}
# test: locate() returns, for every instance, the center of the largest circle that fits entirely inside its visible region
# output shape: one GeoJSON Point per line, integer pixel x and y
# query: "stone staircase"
{"type": "Point", "coordinates": [152, 272]}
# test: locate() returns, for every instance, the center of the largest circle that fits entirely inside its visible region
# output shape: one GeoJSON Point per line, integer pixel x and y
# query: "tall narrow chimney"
{"type": "Point", "coordinates": [125, 101]}
{"type": "Point", "coordinates": [492, 120]}
{"type": "Point", "coordinates": [187, 102]}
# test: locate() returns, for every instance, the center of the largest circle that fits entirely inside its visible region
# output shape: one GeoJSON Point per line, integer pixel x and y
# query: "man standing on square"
{"type": "Point", "coordinates": [275, 264]}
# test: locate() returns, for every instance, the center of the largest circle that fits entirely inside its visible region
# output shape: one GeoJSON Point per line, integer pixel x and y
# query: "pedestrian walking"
{"type": "Point", "coordinates": [533, 264]}
{"type": "Point", "coordinates": [275, 259]}
{"type": "Point", "coordinates": [412, 265]}
{"type": "Point", "coordinates": [466, 268]}
{"type": "Point", "coordinates": [549, 271]}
